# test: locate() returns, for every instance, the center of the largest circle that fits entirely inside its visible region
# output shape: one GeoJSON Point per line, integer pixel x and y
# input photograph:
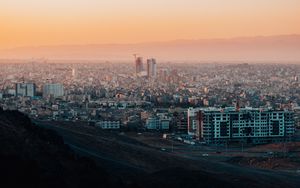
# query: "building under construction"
{"type": "Point", "coordinates": [138, 65]}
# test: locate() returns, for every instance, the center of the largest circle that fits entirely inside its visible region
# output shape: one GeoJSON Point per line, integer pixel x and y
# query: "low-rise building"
{"type": "Point", "coordinates": [158, 123]}
{"type": "Point", "coordinates": [164, 124]}
{"type": "Point", "coordinates": [108, 124]}
{"type": "Point", "coordinates": [152, 123]}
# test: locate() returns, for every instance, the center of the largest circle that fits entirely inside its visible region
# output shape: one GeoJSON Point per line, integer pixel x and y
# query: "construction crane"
{"type": "Point", "coordinates": [135, 55]}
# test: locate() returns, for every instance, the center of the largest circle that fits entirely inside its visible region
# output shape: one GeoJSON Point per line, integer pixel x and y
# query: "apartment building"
{"type": "Point", "coordinates": [251, 125]}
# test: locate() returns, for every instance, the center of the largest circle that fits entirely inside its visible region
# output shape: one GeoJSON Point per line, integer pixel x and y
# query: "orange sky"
{"type": "Point", "coordinates": [51, 22]}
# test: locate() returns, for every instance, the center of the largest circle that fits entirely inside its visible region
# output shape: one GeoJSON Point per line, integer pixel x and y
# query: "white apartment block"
{"type": "Point", "coordinates": [55, 90]}
{"type": "Point", "coordinates": [251, 125]}
{"type": "Point", "coordinates": [25, 89]}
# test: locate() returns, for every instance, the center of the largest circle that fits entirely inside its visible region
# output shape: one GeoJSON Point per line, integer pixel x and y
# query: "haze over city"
{"type": "Point", "coordinates": [213, 27]}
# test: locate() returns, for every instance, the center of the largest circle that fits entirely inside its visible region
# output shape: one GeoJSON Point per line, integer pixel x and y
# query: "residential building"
{"type": "Point", "coordinates": [25, 89]}
{"type": "Point", "coordinates": [251, 125]}
{"type": "Point", "coordinates": [152, 123]}
{"type": "Point", "coordinates": [55, 90]}
{"type": "Point", "coordinates": [108, 124]}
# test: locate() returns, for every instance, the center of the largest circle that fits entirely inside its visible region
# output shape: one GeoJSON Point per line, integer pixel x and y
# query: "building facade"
{"type": "Point", "coordinates": [108, 124]}
{"type": "Point", "coordinates": [158, 123]}
{"type": "Point", "coordinates": [151, 68]}
{"type": "Point", "coordinates": [25, 89]}
{"type": "Point", "coordinates": [55, 90]}
{"type": "Point", "coordinates": [251, 125]}
{"type": "Point", "coordinates": [138, 65]}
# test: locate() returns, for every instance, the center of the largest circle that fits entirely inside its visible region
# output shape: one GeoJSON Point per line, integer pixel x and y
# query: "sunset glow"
{"type": "Point", "coordinates": [53, 22]}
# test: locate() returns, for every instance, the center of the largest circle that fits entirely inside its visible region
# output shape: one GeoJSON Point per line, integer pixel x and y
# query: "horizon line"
{"type": "Point", "coordinates": [146, 42]}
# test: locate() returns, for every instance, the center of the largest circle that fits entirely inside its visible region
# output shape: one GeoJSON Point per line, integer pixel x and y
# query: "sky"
{"type": "Point", "coordinates": [61, 22]}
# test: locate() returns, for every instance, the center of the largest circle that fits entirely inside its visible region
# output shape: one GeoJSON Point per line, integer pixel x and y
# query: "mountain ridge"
{"type": "Point", "coordinates": [256, 48]}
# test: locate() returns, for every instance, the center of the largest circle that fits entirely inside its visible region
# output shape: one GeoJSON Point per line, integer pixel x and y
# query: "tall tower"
{"type": "Point", "coordinates": [151, 68]}
{"type": "Point", "coordinates": [138, 65]}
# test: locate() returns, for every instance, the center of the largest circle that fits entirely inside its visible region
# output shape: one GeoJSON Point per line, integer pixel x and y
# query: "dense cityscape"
{"type": "Point", "coordinates": [141, 95]}
{"type": "Point", "coordinates": [116, 112]}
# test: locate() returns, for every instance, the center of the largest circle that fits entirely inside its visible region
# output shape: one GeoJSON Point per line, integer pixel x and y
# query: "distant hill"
{"type": "Point", "coordinates": [260, 48]}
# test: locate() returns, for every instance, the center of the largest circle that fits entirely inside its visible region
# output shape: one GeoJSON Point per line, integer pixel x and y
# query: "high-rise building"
{"type": "Point", "coordinates": [55, 90]}
{"type": "Point", "coordinates": [25, 89]}
{"type": "Point", "coordinates": [164, 75]}
{"type": "Point", "coordinates": [138, 65]}
{"type": "Point", "coordinates": [151, 68]}
{"type": "Point", "coordinates": [252, 125]}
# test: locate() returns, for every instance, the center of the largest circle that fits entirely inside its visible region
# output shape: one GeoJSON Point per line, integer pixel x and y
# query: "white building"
{"type": "Point", "coordinates": [192, 121]}
{"type": "Point", "coordinates": [55, 90]}
{"type": "Point", "coordinates": [108, 124]}
{"type": "Point", "coordinates": [151, 68]}
{"type": "Point", "coordinates": [25, 89]}
{"type": "Point", "coordinates": [214, 125]}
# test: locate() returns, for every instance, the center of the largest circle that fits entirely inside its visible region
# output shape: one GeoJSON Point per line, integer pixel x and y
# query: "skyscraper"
{"type": "Point", "coordinates": [25, 89]}
{"type": "Point", "coordinates": [151, 68]}
{"type": "Point", "coordinates": [138, 65]}
{"type": "Point", "coordinates": [55, 90]}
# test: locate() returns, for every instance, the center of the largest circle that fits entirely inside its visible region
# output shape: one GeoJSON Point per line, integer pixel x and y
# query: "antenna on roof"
{"type": "Point", "coordinates": [135, 55]}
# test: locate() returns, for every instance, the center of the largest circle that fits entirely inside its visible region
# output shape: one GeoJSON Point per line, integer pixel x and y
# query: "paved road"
{"type": "Point", "coordinates": [267, 178]}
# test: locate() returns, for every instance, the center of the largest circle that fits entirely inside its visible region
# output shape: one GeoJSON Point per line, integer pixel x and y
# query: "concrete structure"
{"type": "Point", "coordinates": [152, 123]}
{"type": "Point", "coordinates": [164, 124]}
{"type": "Point", "coordinates": [158, 123]}
{"type": "Point", "coordinates": [151, 68]}
{"type": "Point", "coordinates": [55, 90]}
{"type": "Point", "coordinates": [108, 124]}
{"type": "Point", "coordinates": [251, 125]}
{"type": "Point", "coordinates": [25, 89]}
{"type": "Point", "coordinates": [297, 116]}
{"type": "Point", "coordinates": [138, 65]}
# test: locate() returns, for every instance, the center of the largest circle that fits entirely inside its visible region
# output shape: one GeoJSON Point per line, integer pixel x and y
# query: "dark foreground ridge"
{"type": "Point", "coordinates": [33, 156]}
